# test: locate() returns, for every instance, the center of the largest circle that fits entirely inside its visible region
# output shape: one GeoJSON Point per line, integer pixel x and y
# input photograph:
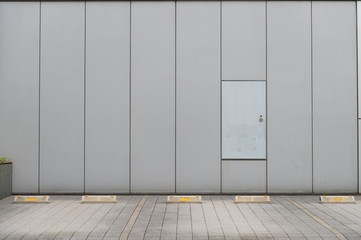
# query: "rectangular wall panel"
{"type": "Point", "coordinates": [359, 151]}
{"type": "Point", "coordinates": [243, 176]}
{"type": "Point", "coordinates": [289, 96]}
{"type": "Point", "coordinates": [152, 97]}
{"type": "Point", "coordinates": [19, 91]}
{"type": "Point", "coordinates": [359, 57]}
{"type": "Point", "coordinates": [244, 120]}
{"type": "Point", "coordinates": [107, 97]}
{"type": "Point", "coordinates": [62, 97]}
{"type": "Point", "coordinates": [359, 82]}
{"type": "Point", "coordinates": [198, 97]}
{"type": "Point", "coordinates": [334, 96]}
{"type": "Point", "coordinates": [243, 40]}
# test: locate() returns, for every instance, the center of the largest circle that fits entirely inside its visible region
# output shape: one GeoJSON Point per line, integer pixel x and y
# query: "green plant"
{"type": "Point", "coordinates": [2, 159]}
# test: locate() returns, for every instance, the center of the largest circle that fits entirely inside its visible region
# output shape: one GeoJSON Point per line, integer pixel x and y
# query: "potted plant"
{"type": "Point", "coordinates": [5, 178]}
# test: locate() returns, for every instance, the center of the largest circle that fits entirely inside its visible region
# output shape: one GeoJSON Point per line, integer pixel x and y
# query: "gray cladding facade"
{"type": "Point", "coordinates": [180, 96]}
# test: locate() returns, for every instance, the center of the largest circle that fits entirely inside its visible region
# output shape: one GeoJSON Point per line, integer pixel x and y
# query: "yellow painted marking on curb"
{"type": "Point", "coordinates": [319, 220]}
{"type": "Point", "coordinates": [337, 199]}
{"type": "Point", "coordinates": [132, 219]}
{"type": "Point", "coordinates": [184, 199]}
{"type": "Point", "coordinates": [31, 199]}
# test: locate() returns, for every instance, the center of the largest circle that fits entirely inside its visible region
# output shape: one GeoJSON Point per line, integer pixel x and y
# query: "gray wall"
{"type": "Point", "coordinates": [359, 85]}
{"type": "Point", "coordinates": [289, 97]}
{"type": "Point", "coordinates": [334, 96]}
{"type": "Point", "coordinates": [152, 97]}
{"type": "Point", "coordinates": [107, 97]}
{"type": "Point", "coordinates": [62, 97]}
{"type": "Point", "coordinates": [198, 97]}
{"type": "Point", "coordinates": [243, 40]}
{"type": "Point", "coordinates": [19, 91]}
{"type": "Point", "coordinates": [244, 60]}
{"type": "Point", "coordinates": [119, 97]}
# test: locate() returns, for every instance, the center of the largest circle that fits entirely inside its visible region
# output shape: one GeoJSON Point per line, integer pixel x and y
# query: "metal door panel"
{"type": "Point", "coordinates": [243, 120]}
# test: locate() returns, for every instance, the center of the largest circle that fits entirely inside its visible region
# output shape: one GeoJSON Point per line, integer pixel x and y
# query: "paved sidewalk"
{"type": "Point", "coordinates": [218, 217]}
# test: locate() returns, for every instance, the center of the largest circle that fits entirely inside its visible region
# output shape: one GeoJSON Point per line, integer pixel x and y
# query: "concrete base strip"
{"type": "Point", "coordinates": [319, 220]}
{"type": "Point", "coordinates": [132, 219]}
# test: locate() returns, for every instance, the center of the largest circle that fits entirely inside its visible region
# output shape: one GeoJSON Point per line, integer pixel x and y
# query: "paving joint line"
{"type": "Point", "coordinates": [291, 223]}
{"type": "Point", "coordinates": [117, 217]}
{"type": "Point", "coordinates": [338, 234]}
{"type": "Point", "coordinates": [101, 219]}
{"type": "Point", "coordinates": [150, 217]}
{"type": "Point", "coordinates": [133, 218]}
{"type": "Point", "coordinates": [302, 220]}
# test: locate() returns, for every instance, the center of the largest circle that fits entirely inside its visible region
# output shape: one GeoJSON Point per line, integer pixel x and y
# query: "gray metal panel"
{"type": "Point", "coordinates": [244, 120]}
{"type": "Point", "coordinates": [243, 40]}
{"type": "Point", "coordinates": [243, 176]}
{"type": "Point", "coordinates": [152, 97]}
{"type": "Point", "coordinates": [359, 151]}
{"type": "Point", "coordinates": [198, 96]}
{"type": "Point", "coordinates": [359, 57]}
{"type": "Point", "coordinates": [62, 97]}
{"type": "Point", "coordinates": [19, 91]}
{"type": "Point", "coordinates": [289, 97]}
{"type": "Point", "coordinates": [334, 96]}
{"type": "Point", "coordinates": [107, 97]}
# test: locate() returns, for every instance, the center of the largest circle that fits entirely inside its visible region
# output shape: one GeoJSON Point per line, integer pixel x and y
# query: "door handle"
{"type": "Point", "coordinates": [260, 118]}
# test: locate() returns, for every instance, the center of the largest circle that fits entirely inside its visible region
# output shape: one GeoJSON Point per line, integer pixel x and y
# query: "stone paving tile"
{"type": "Point", "coordinates": [212, 222]}
{"type": "Point", "coordinates": [27, 223]}
{"type": "Point", "coordinates": [228, 226]}
{"type": "Point", "coordinates": [168, 236]}
{"type": "Point", "coordinates": [331, 214]}
{"type": "Point", "coordinates": [123, 217]}
{"type": "Point", "coordinates": [72, 228]}
{"type": "Point", "coordinates": [311, 229]}
{"type": "Point", "coordinates": [254, 221]}
{"type": "Point", "coordinates": [170, 223]}
{"type": "Point", "coordinates": [141, 224]}
{"type": "Point", "coordinates": [241, 223]}
{"type": "Point", "coordinates": [217, 218]}
{"type": "Point", "coordinates": [297, 218]}
{"type": "Point", "coordinates": [154, 228]}
{"type": "Point", "coordinates": [57, 221]}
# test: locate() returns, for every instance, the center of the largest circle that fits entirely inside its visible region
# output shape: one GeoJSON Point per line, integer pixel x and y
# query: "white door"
{"type": "Point", "coordinates": [243, 120]}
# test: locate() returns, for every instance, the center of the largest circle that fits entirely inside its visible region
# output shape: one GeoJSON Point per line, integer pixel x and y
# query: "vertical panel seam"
{"type": "Point", "coordinates": [39, 97]}
{"type": "Point", "coordinates": [175, 96]}
{"type": "Point", "coordinates": [312, 130]}
{"type": "Point", "coordinates": [84, 92]}
{"type": "Point", "coordinates": [266, 42]}
{"type": "Point", "coordinates": [130, 96]}
{"type": "Point", "coordinates": [221, 95]}
{"type": "Point", "coordinates": [357, 100]}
